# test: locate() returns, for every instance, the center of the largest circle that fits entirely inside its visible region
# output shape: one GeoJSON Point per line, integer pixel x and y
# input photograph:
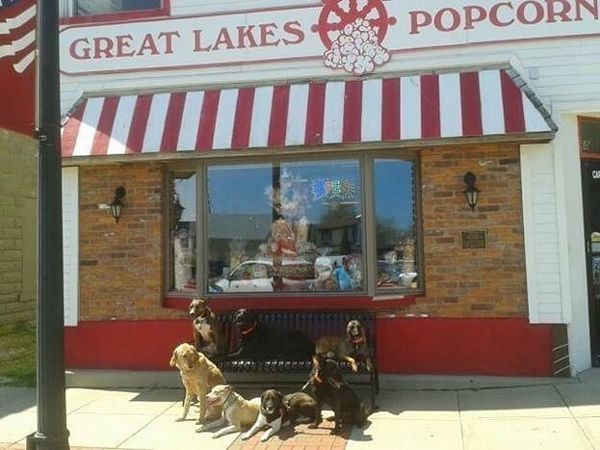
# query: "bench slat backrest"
{"type": "Point", "coordinates": [314, 323]}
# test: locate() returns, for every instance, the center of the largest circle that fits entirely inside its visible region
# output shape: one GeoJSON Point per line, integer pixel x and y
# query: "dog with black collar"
{"type": "Point", "coordinates": [238, 413]}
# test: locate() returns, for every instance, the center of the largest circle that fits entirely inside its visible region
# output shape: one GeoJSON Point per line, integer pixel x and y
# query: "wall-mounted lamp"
{"type": "Point", "coordinates": [471, 193]}
{"type": "Point", "coordinates": [117, 205]}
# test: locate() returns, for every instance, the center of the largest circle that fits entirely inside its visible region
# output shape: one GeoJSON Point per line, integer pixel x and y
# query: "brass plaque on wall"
{"type": "Point", "coordinates": [474, 239]}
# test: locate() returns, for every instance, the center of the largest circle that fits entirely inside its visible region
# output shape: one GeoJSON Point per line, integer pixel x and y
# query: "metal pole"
{"type": "Point", "coordinates": [52, 431]}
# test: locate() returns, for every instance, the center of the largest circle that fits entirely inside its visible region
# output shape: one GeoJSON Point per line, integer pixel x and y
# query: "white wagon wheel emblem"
{"type": "Point", "coordinates": [346, 12]}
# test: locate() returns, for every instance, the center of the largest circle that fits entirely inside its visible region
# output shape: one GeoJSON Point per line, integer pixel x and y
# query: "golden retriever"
{"type": "Point", "coordinates": [198, 375]}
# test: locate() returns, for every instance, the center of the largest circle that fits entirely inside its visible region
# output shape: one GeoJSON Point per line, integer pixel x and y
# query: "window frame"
{"type": "Point", "coordinates": [122, 16]}
{"type": "Point", "coordinates": [583, 153]}
{"type": "Point", "coordinates": [365, 158]}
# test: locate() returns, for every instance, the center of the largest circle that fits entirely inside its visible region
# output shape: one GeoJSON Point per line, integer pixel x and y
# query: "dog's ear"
{"type": "Point", "coordinates": [350, 325]}
{"type": "Point", "coordinates": [173, 361]}
{"type": "Point", "coordinates": [263, 396]}
{"type": "Point", "coordinates": [279, 397]}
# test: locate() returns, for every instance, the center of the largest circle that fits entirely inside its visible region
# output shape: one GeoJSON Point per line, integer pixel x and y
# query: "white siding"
{"type": "Point", "coordinates": [70, 199]}
{"type": "Point", "coordinates": [565, 71]}
{"type": "Point", "coordinates": [540, 217]}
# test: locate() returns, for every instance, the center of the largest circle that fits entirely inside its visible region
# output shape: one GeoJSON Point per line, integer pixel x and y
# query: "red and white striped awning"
{"type": "Point", "coordinates": [434, 106]}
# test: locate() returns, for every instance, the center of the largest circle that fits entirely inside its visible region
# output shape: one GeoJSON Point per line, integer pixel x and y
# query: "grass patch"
{"type": "Point", "coordinates": [17, 354]}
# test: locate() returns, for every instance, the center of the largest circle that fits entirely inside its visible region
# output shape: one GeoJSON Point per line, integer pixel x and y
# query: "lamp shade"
{"type": "Point", "coordinates": [471, 193]}
{"type": "Point", "coordinates": [116, 207]}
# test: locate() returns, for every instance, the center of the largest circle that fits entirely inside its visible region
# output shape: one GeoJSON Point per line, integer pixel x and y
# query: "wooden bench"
{"type": "Point", "coordinates": [315, 324]}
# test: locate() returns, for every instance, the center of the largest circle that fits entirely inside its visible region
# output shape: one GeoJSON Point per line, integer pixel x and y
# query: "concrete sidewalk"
{"type": "Point", "coordinates": [415, 412]}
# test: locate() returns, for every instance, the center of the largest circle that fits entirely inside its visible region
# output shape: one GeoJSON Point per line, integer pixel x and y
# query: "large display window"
{"type": "Point", "coordinates": [319, 225]}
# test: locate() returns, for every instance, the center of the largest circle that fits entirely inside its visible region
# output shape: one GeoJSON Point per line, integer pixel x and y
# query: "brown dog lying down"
{"type": "Point", "coordinates": [277, 410]}
{"type": "Point", "coordinates": [238, 413]}
{"type": "Point", "coordinates": [351, 347]}
{"type": "Point", "coordinates": [208, 333]}
{"type": "Point", "coordinates": [198, 375]}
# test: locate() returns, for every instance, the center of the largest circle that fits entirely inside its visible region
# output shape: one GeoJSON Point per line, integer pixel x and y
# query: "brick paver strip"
{"type": "Point", "coordinates": [4, 446]}
{"type": "Point", "coordinates": [300, 437]}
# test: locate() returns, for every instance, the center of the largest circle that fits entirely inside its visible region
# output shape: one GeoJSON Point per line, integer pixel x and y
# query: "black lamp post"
{"type": "Point", "coordinates": [117, 204]}
{"type": "Point", "coordinates": [52, 433]}
{"type": "Point", "coordinates": [471, 193]}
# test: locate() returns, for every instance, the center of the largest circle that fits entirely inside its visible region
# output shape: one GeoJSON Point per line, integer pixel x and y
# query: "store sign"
{"type": "Point", "coordinates": [356, 36]}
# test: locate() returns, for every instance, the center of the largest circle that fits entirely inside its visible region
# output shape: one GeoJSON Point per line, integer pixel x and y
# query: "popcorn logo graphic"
{"type": "Point", "coordinates": [352, 32]}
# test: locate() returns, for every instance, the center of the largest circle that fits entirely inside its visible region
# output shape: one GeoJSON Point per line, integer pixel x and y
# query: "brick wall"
{"type": "Point", "coordinates": [121, 264]}
{"type": "Point", "coordinates": [18, 184]}
{"type": "Point", "coordinates": [488, 282]}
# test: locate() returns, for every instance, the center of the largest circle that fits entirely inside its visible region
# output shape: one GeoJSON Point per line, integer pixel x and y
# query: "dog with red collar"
{"type": "Point", "coordinates": [329, 387]}
{"type": "Point", "coordinates": [277, 410]}
{"type": "Point", "coordinates": [261, 341]}
{"type": "Point", "coordinates": [353, 347]}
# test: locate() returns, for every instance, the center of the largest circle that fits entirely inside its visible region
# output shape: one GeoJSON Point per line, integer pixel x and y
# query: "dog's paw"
{"type": "Point", "coordinates": [264, 438]}
{"type": "Point", "coordinates": [180, 419]}
{"type": "Point", "coordinates": [245, 436]}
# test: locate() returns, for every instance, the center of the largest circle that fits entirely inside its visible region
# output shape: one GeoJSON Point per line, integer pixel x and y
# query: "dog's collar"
{"type": "Point", "coordinates": [250, 330]}
{"type": "Point", "coordinates": [225, 405]}
{"type": "Point", "coordinates": [360, 340]}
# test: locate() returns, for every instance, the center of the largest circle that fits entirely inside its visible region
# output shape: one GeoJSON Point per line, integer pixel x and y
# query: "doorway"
{"type": "Point", "coordinates": [591, 210]}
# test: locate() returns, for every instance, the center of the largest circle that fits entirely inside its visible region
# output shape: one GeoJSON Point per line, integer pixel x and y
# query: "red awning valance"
{"type": "Point", "coordinates": [434, 106]}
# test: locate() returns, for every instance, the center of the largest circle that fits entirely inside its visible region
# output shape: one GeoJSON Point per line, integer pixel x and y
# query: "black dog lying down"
{"type": "Point", "coordinates": [277, 410]}
{"type": "Point", "coordinates": [329, 387]}
{"type": "Point", "coordinates": [260, 341]}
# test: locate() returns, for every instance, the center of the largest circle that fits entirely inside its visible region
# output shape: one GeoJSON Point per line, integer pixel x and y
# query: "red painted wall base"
{"type": "Point", "coordinates": [404, 345]}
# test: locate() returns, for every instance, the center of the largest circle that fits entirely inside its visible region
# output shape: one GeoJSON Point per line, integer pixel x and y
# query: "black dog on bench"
{"type": "Point", "coordinates": [262, 342]}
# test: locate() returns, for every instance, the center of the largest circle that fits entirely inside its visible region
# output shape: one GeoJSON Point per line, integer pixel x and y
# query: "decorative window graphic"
{"type": "Point", "coordinates": [337, 188]}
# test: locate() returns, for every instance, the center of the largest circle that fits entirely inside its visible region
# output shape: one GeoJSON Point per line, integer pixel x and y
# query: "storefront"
{"type": "Point", "coordinates": [346, 155]}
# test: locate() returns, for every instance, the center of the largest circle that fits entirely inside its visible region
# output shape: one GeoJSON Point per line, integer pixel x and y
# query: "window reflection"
{"type": "Point", "coordinates": [395, 224]}
{"type": "Point", "coordinates": [285, 227]}
{"type": "Point", "coordinates": [182, 234]}
{"type": "Point", "coordinates": [589, 134]}
{"type": "Point", "coordinates": [91, 7]}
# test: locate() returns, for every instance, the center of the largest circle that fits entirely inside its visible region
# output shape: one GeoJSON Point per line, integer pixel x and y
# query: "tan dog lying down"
{"type": "Point", "coordinates": [238, 413]}
{"type": "Point", "coordinates": [198, 375]}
